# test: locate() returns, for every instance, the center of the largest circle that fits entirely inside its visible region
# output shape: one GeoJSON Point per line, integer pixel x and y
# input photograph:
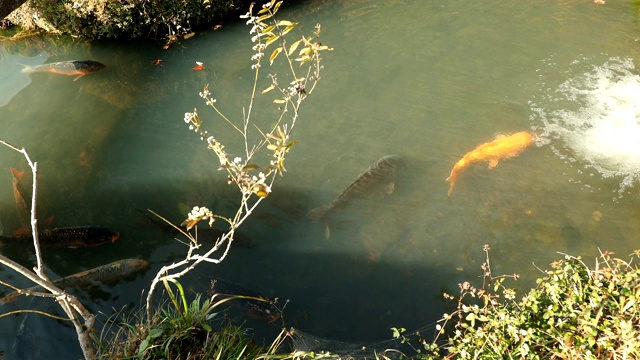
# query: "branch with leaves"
{"type": "Point", "coordinates": [255, 182]}
{"type": "Point", "coordinates": [81, 318]}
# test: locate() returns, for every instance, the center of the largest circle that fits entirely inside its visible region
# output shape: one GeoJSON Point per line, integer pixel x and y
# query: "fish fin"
{"type": "Point", "coordinates": [79, 76]}
{"type": "Point", "coordinates": [450, 189]}
{"type": "Point", "coordinates": [9, 298]}
{"type": "Point", "coordinates": [17, 174]}
{"type": "Point", "coordinates": [493, 163]}
{"type": "Point", "coordinates": [327, 232]}
{"type": "Point", "coordinates": [390, 188]}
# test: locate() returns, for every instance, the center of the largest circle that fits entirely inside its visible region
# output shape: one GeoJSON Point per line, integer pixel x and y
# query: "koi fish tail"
{"type": "Point", "coordinates": [452, 179]}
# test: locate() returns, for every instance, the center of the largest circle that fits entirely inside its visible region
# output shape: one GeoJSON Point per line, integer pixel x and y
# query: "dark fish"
{"type": "Point", "coordinates": [71, 67]}
{"type": "Point", "coordinates": [251, 302]}
{"type": "Point", "coordinates": [109, 273]}
{"type": "Point", "coordinates": [68, 237]}
{"type": "Point", "coordinates": [381, 174]}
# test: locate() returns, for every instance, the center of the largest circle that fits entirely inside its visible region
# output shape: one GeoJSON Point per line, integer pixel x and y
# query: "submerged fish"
{"type": "Point", "coordinates": [109, 273]}
{"type": "Point", "coordinates": [251, 302]}
{"type": "Point", "coordinates": [68, 237]}
{"type": "Point", "coordinates": [71, 67]}
{"type": "Point", "coordinates": [381, 174]}
{"type": "Point", "coordinates": [19, 195]}
{"type": "Point", "coordinates": [501, 147]}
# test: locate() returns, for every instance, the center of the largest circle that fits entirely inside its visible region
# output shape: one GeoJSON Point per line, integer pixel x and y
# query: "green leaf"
{"type": "Point", "coordinates": [144, 344]}
{"type": "Point", "coordinates": [154, 333]}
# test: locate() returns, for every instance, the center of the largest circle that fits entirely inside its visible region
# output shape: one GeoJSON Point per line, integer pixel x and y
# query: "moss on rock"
{"type": "Point", "coordinates": [95, 19]}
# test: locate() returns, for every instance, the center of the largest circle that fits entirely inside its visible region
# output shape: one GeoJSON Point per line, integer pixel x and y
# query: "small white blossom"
{"type": "Point", "coordinates": [188, 117]}
{"type": "Point", "coordinates": [237, 160]}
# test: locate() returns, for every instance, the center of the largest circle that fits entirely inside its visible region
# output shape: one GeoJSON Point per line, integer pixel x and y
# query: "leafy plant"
{"type": "Point", "coordinates": [575, 312]}
{"type": "Point", "coordinates": [252, 180]}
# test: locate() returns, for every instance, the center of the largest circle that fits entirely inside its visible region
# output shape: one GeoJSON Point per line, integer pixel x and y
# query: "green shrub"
{"type": "Point", "coordinates": [575, 312]}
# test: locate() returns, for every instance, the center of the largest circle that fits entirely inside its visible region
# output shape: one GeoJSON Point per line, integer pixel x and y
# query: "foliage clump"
{"type": "Point", "coordinates": [120, 18]}
{"type": "Point", "coordinates": [182, 330]}
{"type": "Point", "coordinates": [575, 312]}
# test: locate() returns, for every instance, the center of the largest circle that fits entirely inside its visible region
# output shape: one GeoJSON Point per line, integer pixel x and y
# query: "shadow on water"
{"type": "Point", "coordinates": [336, 289]}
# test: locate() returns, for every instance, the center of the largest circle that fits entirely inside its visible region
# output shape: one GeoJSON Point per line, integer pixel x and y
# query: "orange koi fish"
{"type": "Point", "coordinates": [502, 147]}
{"type": "Point", "coordinates": [72, 67]}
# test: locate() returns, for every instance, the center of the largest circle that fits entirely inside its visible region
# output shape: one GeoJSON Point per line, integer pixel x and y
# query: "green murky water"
{"type": "Point", "coordinates": [427, 80]}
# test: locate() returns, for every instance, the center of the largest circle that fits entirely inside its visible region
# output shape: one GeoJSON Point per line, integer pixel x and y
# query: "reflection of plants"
{"type": "Point", "coordinates": [575, 312]}
{"type": "Point", "coordinates": [302, 62]}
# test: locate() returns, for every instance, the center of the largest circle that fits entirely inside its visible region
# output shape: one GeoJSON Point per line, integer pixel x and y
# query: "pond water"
{"type": "Point", "coordinates": [427, 80]}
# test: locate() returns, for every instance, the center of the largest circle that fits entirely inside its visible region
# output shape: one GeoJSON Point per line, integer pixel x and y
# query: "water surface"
{"type": "Point", "coordinates": [426, 80]}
